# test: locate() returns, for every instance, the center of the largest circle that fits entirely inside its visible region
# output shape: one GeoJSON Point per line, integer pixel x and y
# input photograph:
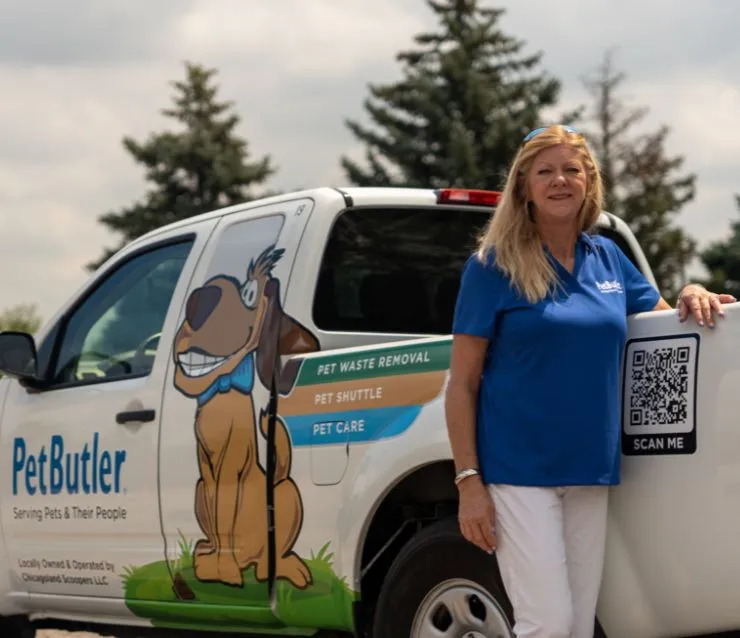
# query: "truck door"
{"type": "Point", "coordinates": [79, 456]}
{"type": "Point", "coordinates": [675, 519]}
{"type": "Point", "coordinates": [213, 464]}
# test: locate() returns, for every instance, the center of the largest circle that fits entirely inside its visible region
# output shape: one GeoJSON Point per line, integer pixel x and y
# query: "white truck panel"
{"type": "Point", "coordinates": [672, 560]}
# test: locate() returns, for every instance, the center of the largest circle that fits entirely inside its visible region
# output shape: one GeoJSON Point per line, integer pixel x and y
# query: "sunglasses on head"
{"type": "Point", "coordinates": [539, 130]}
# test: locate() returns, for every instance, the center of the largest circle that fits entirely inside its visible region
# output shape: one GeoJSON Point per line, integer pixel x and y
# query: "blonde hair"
{"type": "Point", "coordinates": [511, 232]}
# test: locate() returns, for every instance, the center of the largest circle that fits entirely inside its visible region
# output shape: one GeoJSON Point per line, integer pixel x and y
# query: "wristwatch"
{"type": "Point", "coordinates": [465, 473]}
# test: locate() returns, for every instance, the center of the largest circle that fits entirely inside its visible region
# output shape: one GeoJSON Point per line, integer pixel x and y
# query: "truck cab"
{"type": "Point", "coordinates": [237, 425]}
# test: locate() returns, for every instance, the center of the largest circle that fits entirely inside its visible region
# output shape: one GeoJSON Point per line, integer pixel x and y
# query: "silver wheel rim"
{"type": "Point", "coordinates": [460, 608]}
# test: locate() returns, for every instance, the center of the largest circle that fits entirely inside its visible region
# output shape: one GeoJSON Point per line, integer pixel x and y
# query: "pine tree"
{"type": "Point", "coordinates": [201, 167]}
{"type": "Point", "coordinates": [641, 181]}
{"type": "Point", "coordinates": [467, 98]}
{"type": "Point", "coordinates": [722, 260]}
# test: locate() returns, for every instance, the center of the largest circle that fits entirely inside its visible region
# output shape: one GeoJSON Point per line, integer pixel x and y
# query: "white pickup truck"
{"type": "Point", "coordinates": [237, 425]}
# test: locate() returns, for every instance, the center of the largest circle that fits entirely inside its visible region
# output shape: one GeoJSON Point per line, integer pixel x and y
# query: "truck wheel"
{"type": "Point", "coordinates": [442, 585]}
{"type": "Point", "coordinates": [16, 627]}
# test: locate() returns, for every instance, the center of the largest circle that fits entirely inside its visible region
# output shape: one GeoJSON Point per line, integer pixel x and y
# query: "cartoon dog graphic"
{"type": "Point", "coordinates": [232, 333]}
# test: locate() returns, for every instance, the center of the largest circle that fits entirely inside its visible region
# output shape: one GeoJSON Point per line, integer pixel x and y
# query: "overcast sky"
{"type": "Point", "coordinates": [78, 75]}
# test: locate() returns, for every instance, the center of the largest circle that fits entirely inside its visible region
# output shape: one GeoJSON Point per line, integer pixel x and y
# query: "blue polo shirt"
{"type": "Point", "coordinates": [549, 401]}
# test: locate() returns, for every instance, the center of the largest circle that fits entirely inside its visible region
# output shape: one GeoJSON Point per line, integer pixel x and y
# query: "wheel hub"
{"type": "Point", "coordinates": [460, 608]}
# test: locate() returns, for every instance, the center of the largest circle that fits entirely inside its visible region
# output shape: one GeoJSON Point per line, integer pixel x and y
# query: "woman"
{"type": "Point", "coordinates": [532, 404]}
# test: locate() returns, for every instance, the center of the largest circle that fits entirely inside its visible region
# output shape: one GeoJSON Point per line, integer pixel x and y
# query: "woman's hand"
{"type": "Point", "coordinates": [477, 514]}
{"type": "Point", "coordinates": [702, 304]}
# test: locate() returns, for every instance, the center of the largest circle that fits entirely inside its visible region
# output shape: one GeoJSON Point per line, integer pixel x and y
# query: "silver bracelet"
{"type": "Point", "coordinates": [463, 474]}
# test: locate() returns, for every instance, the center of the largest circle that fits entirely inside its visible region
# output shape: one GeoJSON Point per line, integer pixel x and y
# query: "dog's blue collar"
{"type": "Point", "coordinates": [240, 379]}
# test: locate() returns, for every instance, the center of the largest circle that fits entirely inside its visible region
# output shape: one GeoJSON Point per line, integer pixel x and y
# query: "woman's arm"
{"type": "Point", "coordinates": [477, 515]}
{"type": "Point", "coordinates": [466, 368]}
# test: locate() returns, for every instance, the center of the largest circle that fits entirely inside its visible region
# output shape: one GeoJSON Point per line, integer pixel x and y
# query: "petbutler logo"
{"type": "Point", "coordinates": [608, 287]}
{"type": "Point", "coordinates": [90, 470]}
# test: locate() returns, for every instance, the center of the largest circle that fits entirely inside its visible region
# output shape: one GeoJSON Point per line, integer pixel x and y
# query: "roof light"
{"type": "Point", "coordinates": [468, 196]}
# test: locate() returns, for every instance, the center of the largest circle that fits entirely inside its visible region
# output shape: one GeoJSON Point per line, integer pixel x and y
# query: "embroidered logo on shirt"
{"type": "Point", "coordinates": [608, 287]}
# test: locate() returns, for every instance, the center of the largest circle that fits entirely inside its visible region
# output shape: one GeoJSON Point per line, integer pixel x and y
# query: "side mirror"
{"type": "Point", "coordinates": [18, 355]}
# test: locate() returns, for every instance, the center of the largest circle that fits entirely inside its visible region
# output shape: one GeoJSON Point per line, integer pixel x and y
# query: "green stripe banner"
{"type": "Point", "coordinates": [430, 356]}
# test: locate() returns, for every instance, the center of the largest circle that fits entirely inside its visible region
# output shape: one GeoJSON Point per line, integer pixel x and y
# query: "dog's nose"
{"type": "Point", "coordinates": [201, 304]}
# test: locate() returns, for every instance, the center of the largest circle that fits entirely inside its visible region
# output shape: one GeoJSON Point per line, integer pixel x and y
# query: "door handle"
{"type": "Point", "coordinates": [135, 415]}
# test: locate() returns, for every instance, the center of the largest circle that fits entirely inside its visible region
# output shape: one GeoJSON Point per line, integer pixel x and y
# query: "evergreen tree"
{"type": "Point", "coordinates": [722, 260]}
{"type": "Point", "coordinates": [201, 167]}
{"type": "Point", "coordinates": [641, 181]}
{"type": "Point", "coordinates": [467, 98]}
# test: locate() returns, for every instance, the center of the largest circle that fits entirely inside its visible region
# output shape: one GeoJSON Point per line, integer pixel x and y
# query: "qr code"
{"type": "Point", "coordinates": [659, 386]}
{"type": "Point", "coordinates": [659, 393]}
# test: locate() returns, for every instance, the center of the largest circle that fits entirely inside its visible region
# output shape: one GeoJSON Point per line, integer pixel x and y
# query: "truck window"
{"type": "Point", "coordinates": [398, 270]}
{"type": "Point", "coordinates": [395, 270]}
{"type": "Point", "coordinates": [114, 333]}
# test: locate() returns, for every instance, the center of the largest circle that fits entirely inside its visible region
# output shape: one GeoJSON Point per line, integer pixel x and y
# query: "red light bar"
{"type": "Point", "coordinates": [468, 196]}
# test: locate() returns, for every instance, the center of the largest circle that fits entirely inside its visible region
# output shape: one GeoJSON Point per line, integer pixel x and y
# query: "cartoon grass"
{"type": "Point", "coordinates": [151, 593]}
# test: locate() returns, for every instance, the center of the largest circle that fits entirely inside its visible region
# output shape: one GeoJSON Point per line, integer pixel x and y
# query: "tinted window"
{"type": "Point", "coordinates": [114, 333]}
{"type": "Point", "coordinates": [398, 271]}
{"type": "Point", "coordinates": [395, 270]}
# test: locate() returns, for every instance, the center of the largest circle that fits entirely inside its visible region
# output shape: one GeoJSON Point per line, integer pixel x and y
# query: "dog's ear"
{"type": "Point", "coordinates": [266, 356]}
{"type": "Point", "coordinates": [280, 335]}
{"type": "Point", "coordinates": [289, 375]}
{"type": "Point", "coordinates": [294, 339]}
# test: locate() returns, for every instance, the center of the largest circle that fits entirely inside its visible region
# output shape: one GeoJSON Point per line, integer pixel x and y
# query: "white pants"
{"type": "Point", "coordinates": [550, 553]}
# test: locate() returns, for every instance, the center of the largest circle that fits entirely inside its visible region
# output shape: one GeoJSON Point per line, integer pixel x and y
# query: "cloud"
{"type": "Point", "coordinates": [298, 39]}
{"type": "Point", "coordinates": [85, 32]}
{"type": "Point", "coordinates": [652, 38]}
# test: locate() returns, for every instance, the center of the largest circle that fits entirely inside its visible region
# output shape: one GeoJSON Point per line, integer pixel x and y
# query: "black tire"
{"type": "Point", "coordinates": [436, 554]}
{"type": "Point", "coordinates": [16, 627]}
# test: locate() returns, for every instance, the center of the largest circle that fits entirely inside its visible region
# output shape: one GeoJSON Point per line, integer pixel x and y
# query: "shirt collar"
{"type": "Point", "coordinates": [583, 238]}
{"type": "Point", "coordinates": [587, 241]}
